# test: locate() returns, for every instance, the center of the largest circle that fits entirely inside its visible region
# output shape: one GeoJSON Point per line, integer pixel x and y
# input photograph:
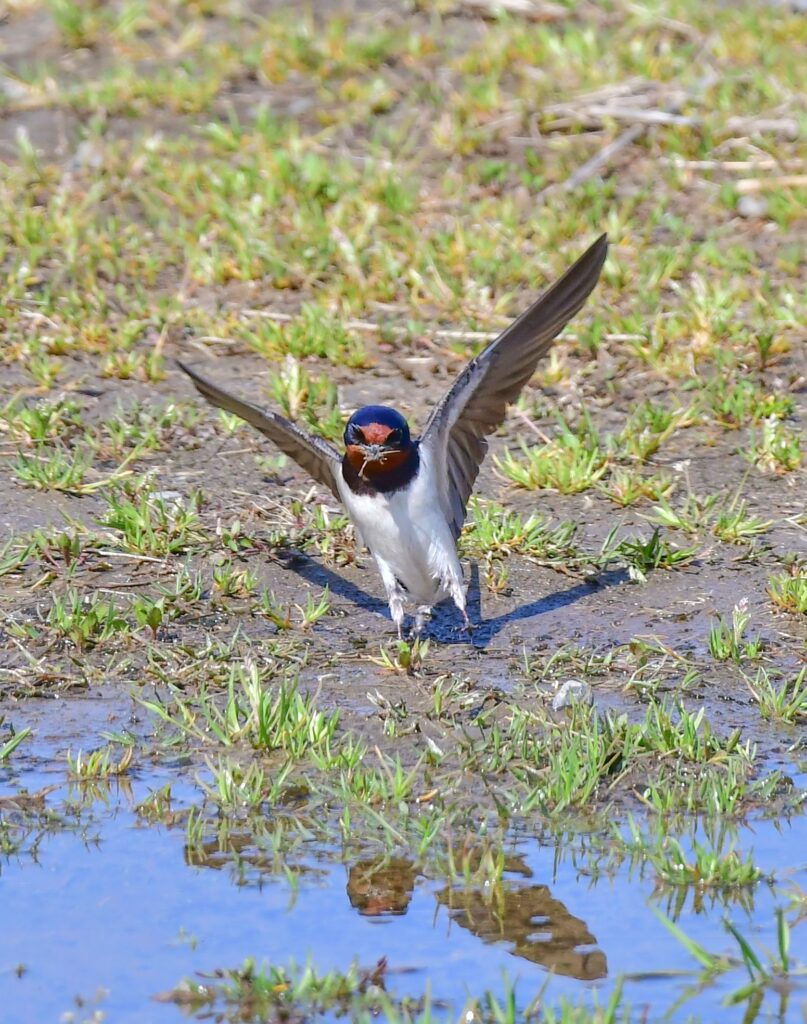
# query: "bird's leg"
{"type": "Point", "coordinates": [396, 595]}
{"type": "Point", "coordinates": [422, 616]}
{"type": "Point", "coordinates": [396, 599]}
{"type": "Point", "coordinates": [458, 596]}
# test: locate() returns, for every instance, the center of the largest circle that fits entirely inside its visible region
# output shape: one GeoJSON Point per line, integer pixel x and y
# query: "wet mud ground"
{"type": "Point", "coordinates": [212, 748]}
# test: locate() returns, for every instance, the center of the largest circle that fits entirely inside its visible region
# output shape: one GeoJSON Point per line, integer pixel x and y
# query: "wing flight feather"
{"type": "Point", "coordinates": [317, 457]}
{"type": "Point", "coordinates": [477, 402]}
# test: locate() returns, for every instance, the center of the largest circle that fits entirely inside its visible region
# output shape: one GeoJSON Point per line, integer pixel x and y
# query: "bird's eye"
{"type": "Point", "coordinates": [356, 435]}
{"type": "Point", "coordinates": [394, 436]}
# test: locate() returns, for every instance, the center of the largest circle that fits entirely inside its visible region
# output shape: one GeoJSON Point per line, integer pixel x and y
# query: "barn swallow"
{"type": "Point", "coordinates": [407, 496]}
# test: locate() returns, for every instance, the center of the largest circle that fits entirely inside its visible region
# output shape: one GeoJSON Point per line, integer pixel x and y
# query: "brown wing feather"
{"type": "Point", "coordinates": [477, 402]}
{"type": "Point", "coordinates": [318, 458]}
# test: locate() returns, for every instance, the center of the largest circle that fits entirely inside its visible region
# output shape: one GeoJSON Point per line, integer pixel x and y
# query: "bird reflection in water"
{"type": "Point", "coordinates": [537, 926]}
{"type": "Point", "coordinates": [377, 888]}
{"type": "Point", "coordinates": [532, 922]}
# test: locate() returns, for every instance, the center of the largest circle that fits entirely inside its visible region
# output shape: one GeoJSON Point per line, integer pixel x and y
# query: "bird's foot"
{"type": "Point", "coordinates": [422, 617]}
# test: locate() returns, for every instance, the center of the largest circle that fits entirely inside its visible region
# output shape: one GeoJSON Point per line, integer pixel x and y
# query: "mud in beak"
{"type": "Point", "coordinates": [374, 453]}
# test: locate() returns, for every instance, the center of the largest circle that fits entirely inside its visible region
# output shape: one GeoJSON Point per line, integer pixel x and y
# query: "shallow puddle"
{"type": "Point", "coordinates": [330, 205]}
{"type": "Point", "coordinates": [105, 910]}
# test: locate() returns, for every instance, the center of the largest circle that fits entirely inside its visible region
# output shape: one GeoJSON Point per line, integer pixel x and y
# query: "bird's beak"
{"type": "Point", "coordinates": [374, 452]}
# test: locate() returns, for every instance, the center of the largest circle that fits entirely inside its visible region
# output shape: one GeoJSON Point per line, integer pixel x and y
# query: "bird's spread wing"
{"type": "Point", "coordinates": [317, 457]}
{"type": "Point", "coordinates": [477, 402]}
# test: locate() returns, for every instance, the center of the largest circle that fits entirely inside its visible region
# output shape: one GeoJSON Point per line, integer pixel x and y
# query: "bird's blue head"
{"type": "Point", "coordinates": [377, 440]}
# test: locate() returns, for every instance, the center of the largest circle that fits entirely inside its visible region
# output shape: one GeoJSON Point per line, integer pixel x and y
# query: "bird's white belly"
{"type": "Point", "coordinates": [408, 531]}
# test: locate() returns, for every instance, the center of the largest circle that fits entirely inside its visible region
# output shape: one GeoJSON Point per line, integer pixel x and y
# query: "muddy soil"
{"type": "Point", "coordinates": [94, 855]}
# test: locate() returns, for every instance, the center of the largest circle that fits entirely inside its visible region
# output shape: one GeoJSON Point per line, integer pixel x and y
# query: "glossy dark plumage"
{"type": "Point", "coordinates": [377, 415]}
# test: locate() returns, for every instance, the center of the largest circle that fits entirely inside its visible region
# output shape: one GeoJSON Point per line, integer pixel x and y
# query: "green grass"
{"type": "Point", "coordinates": [85, 621]}
{"type": "Point", "coordinates": [626, 486]}
{"type": "Point", "coordinates": [778, 449]}
{"type": "Point", "coordinates": [52, 470]}
{"type": "Point", "coordinates": [263, 716]}
{"type": "Point", "coordinates": [789, 592]}
{"type": "Point", "coordinates": [98, 764]}
{"type": "Point", "coordinates": [726, 518]}
{"type": "Point", "coordinates": [774, 971]}
{"type": "Point", "coordinates": [581, 761]}
{"type": "Point", "coordinates": [327, 210]}
{"type": "Point", "coordinates": [648, 427]}
{"type": "Point", "coordinates": [703, 864]}
{"type": "Point", "coordinates": [292, 616]}
{"type": "Point", "coordinates": [643, 555]}
{"type": "Point", "coordinates": [734, 404]}
{"type": "Point", "coordinates": [150, 525]}
{"type": "Point", "coordinates": [727, 639]}
{"type": "Point", "coordinates": [43, 421]}
{"type": "Point", "coordinates": [13, 740]}
{"type": "Point", "coordinates": [254, 993]}
{"type": "Point", "coordinates": [403, 657]}
{"type": "Point", "coordinates": [724, 793]}
{"type": "Point", "coordinates": [785, 703]}
{"type": "Point", "coordinates": [492, 531]}
{"type": "Point", "coordinates": [572, 462]}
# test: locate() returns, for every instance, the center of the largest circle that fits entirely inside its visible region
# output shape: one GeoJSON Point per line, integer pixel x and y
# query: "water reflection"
{"type": "Point", "coordinates": [253, 856]}
{"type": "Point", "coordinates": [522, 916]}
{"type": "Point", "coordinates": [536, 925]}
{"type": "Point", "coordinates": [527, 918]}
{"type": "Point", "coordinates": [381, 887]}
{"type": "Point", "coordinates": [309, 889]}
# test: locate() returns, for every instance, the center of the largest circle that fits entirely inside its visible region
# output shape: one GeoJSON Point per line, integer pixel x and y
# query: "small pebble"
{"type": "Point", "coordinates": [752, 207]}
{"type": "Point", "coordinates": [573, 691]}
